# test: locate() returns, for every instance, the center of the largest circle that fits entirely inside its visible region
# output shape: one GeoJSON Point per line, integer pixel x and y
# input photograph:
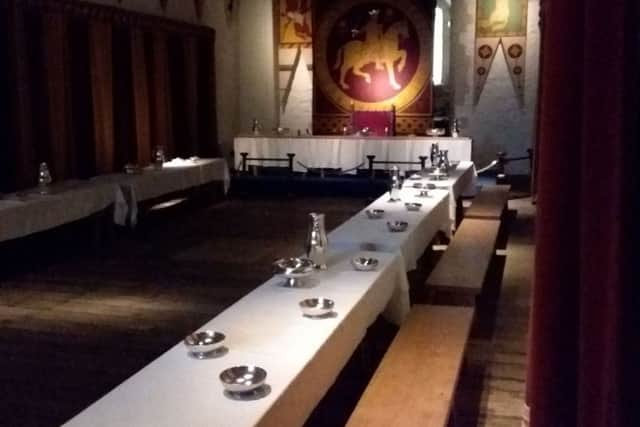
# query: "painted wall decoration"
{"type": "Point", "coordinates": [501, 23]}
{"type": "Point", "coordinates": [372, 56]}
{"type": "Point", "coordinates": [294, 23]}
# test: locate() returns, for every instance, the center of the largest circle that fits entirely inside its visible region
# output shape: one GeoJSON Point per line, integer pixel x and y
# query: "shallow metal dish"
{"type": "Point", "coordinates": [132, 169]}
{"type": "Point", "coordinates": [242, 379]}
{"type": "Point", "coordinates": [203, 343]}
{"type": "Point", "coordinates": [417, 185]}
{"type": "Point", "coordinates": [413, 206]}
{"type": "Point", "coordinates": [415, 176]}
{"type": "Point", "coordinates": [294, 269]}
{"type": "Point", "coordinates": [397, 226]}
{"type": "Point", "coordinates": [364, 263]}
{"type": "Point", "coordinates": [316, 307]}
{"type": "Point", "coordinates": [374, 213]}
{"type": "Point", "coordinates": [436, 132]}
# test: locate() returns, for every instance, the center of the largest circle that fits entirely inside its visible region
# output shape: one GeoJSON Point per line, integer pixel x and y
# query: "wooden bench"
{"type": "Point", "coordinates": [490, 203]}
{"type": "Point", "coordinates": [415, 382]}
{"type": "Point", "coordinates": [459, 275]}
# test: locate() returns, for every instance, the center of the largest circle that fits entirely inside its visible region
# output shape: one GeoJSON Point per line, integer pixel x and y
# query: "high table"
{"type": "Point", "coordinates": [29, 212]}
{"type": "Point", "coordinates": [346, 152]}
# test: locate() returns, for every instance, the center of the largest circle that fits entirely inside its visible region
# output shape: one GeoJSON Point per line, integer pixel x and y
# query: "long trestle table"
{"type": "Point", "coordinates": [302, 356]}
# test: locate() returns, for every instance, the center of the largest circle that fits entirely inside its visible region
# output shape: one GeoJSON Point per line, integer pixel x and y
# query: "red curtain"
{"type": "Point", "coordinates": [89, 88]}
{"type": "Point", "coordinates": [580, 341]}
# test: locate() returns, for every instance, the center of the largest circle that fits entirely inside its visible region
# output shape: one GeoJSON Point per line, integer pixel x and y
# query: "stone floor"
{"type": "Point", "coordinates": [74, 326]}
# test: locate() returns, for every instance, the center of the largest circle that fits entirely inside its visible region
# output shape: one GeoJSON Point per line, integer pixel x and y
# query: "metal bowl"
{"type": "Point", "coordinates": [316, 307]}
{"type": "Point", "coordinates": [435, 132]}
{"type": "Point", "coordinates": [397, 226]}
{"type": "Point", "coordinates": [293, 267]}
{"type": "Point", "coordinates": [415, 177]}
{"type": "Point", "coordinates": [417, 185]}
{"type": "Point", "coordinates": [374, 213]}
{"type": "Point", "coordinates": [364, 263]}
{"type": "Point", "coordinates": [242, 379]}
{"type": "Point", "coordinates": [203, 343]}
{"type": "Point", "coordinates": [413, 206]}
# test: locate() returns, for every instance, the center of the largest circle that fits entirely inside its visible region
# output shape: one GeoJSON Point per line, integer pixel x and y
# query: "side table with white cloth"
{"type": "Point", "coordinates": [28, 212]}
{"type": "Point", "coordinates": [302, 356]}
{"type": "Point", "coordinates": [176, 175]}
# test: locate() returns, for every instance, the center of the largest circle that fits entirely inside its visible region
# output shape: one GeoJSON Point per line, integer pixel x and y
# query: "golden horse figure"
{"type": "Point", "coordinates": [380, 50]}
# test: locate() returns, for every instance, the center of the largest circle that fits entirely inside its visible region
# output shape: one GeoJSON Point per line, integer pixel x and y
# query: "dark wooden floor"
{"type": "Point", "coordinates": [74, 328]}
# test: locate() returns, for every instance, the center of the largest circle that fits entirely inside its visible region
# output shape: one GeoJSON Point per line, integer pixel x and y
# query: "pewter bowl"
{"type": "Point", "coordinates": [316, 307]}
{"type": "Point", "coordinates": [375, 213]}
{"type": "Point", "coordinates": [242, 379]}
{"type": "Point", "coordinates": [413, 206]}
{"type": "Point", "coordinates": [397, 226]}
{"type": "Point", "coordinates": [435, 132]}
{"type": "Point", "coordinates": [364, 263]}
{"type": "Point", "coordinates": [431, 186]}
{"type": "Point", "coordinates": [417, 185]}
{"type": "Point", "coordinates": [293, 269]}
{"type": "Point", "coordinates": [203, 343]}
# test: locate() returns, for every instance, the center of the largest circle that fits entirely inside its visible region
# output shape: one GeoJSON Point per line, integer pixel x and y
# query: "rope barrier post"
{"type": "Point", "coordinates": [423, 161]}
{"type": "Point", "coordinates": [244, 162]}
{"type": "Point", "coordinates": [371, 157]}
{"type": "Point", "coordinates": [501, 177]}
{"type": "Point", "coordinates": [291, 156]}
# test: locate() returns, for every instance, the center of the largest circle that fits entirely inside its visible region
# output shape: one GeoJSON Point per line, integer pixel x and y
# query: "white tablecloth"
{"type": "Point", "coordinates": [302, 356]}
{"type": "Point", "coordinates": [346, 152]}
{"type": "Point", "coordinates": [28, 212]}
{"type": "Point", "coordinates": [461, 181]}
{"type": "Point", "coordinates": [362, 232]}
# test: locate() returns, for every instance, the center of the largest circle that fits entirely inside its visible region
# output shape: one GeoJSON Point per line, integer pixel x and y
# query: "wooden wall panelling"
{"type": "Point", "coordinates": [57, 71]}
{"type": "Point", "coordinates": [190, 59]}
{"type": "Point", "coordinates": [100, 53]}
{"type": "Point", "coordinates": [162, 123]}
{"type": "Point", "coordinates": [125, 150]}
{"type": "Point", "coordinates": [140, 98]}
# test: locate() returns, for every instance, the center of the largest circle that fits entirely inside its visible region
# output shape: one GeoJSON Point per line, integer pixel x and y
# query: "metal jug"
{"type": "Point", "coordinates": [158, 157]}
{"type": "Point", "coordinates": [443, 161]}
{"type": "Point", "coordinates": [44, 178]}
{"type": "Point", "coordinates": [455, 128]}
{"type": "Point", "coordinates": [434, 155]}
{"type": "Point", "coordinates": [256, 127]}
{"type": "Point", "coordinates": [395, 185]}
{"type": "Point", "coordinates": [317, 243]}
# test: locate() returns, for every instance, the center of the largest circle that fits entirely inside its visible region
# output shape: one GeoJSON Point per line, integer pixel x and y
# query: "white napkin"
{"type": "Point", "coordinates": [120, 207]}
{"type": "Point", "coordinates": [125, 210]}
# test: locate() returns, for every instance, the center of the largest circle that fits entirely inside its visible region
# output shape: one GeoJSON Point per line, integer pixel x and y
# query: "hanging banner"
{"type": "Point", "coordinates": [372, 55]}
{"type": "Point", "coordinates": [500, 22]}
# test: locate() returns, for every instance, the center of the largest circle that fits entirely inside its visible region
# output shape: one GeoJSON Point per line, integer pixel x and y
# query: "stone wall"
{"type": "Point", "coordinates": [497, 123]}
